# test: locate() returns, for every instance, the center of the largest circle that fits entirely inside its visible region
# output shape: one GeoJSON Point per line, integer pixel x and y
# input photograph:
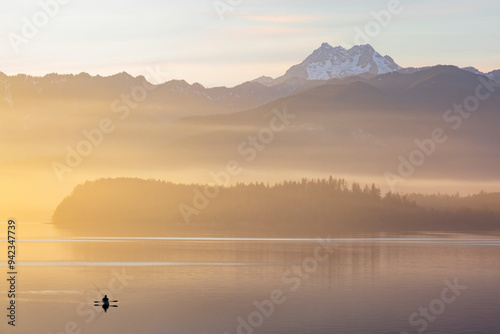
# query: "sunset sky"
{"type": "Point", "coordinates": [189, 40]}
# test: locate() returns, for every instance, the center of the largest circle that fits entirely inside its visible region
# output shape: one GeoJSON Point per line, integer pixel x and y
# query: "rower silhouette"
{"type": "Point", "coordinates": [105, 303]}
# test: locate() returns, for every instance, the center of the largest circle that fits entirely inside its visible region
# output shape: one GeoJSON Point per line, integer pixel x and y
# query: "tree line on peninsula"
{"type": "Point", "coordinates": [309, 207]}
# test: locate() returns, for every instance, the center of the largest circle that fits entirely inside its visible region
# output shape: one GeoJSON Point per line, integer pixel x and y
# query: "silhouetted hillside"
{"type": "Point", "coordinates": [481, 201]}
{"type": "Point", "coordinates": [306, 208]}
{"type": "Point", "coordinates": [165, 101]}
{"type": "Point", "coordinates": [363, 127]}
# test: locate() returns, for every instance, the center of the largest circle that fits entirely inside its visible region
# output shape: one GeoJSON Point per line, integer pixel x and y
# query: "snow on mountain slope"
{"type": "Point", "coordinates": [329, 62]}
{"type": "Point", "coordinates": [493, 75]}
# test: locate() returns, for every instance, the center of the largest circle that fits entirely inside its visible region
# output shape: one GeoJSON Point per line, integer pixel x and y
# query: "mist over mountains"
{"type": "Point", "coordinates": [353, 113]}
{"type": "Point", "coordinates": [362, 126]}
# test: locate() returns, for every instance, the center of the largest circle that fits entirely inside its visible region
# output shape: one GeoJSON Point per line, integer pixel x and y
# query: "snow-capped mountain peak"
{"type": "Point", "coordinates": [329, 62]}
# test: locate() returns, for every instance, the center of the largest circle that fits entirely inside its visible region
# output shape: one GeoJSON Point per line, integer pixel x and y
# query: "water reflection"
{"type": "Point", "coordinates": [106, 305]}
{"type": "Point", "coordinates": [203, 286]}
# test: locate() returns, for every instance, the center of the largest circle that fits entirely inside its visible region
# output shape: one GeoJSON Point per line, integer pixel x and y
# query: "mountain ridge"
{"type": "Point", "coordinates": [324, 63]}
{"type": "Point", "coordinates": [493, 75]}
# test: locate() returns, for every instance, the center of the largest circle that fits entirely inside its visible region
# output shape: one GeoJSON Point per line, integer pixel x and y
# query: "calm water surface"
{"type": "Point", "coordinates": [364, 284]}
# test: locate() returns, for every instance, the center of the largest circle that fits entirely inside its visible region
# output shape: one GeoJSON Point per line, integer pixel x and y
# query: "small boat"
{"type": "Point", "coordinates": [106, 304]}
{"type": "Point", "coordinates": [100, 302]}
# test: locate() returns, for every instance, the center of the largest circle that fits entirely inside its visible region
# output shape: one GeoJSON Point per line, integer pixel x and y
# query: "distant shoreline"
{"type": "Point", "coordinates": [310, 208]}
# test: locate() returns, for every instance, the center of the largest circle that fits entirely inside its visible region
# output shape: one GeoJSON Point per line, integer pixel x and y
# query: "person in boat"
{"type": "Point", "coordinates": [105, 303]}
{"type": "Point", "coordinates": [105, 300]}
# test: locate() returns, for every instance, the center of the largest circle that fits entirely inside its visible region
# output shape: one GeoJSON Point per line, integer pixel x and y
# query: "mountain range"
{"type": "Point", "coordinates": [360, 125]}
{"type": "Point", "coordinates": [177, 98]}
{"type": "Point", "coordinates": [325, 63]}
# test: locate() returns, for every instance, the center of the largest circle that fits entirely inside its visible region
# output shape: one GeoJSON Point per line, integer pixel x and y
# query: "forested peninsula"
{"type": "Point", "coordinates": [306, 208]}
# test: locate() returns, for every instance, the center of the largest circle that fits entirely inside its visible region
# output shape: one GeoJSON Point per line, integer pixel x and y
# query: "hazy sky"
{"type": "Point", "coordinates": [190, 40]}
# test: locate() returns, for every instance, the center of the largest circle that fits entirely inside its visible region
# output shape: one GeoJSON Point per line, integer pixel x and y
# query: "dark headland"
{"type": "Point", "coordinates": [308, 208]}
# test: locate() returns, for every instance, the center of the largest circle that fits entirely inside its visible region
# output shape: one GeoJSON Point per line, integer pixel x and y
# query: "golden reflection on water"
{"type": "Point", "coordinates": [203, 286]}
